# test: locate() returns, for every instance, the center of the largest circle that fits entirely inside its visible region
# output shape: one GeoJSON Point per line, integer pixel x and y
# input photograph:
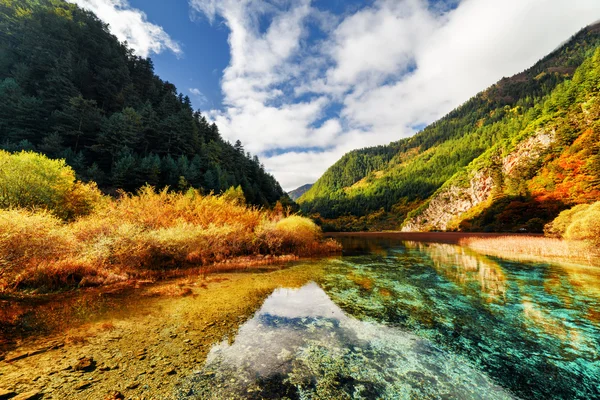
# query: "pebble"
{"type": "Point", "coordinates": [6, 394]}
{"type": "Point", "coordinates": [86, 364]}
{"type": "Point", "coordinates": [83, 386]}
{"type": "Point", "coordinates": [31, 395]}
{"type": "Point", "coordinates": [114, 395]}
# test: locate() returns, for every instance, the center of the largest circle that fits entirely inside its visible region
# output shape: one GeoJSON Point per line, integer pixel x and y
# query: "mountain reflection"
{"type": "Point", "coordinates": [300, 344]}
{"type": "Point", "coordinates": [463, 267]}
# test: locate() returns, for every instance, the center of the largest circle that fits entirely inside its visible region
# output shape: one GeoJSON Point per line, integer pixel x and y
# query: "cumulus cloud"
{"type": "Point", "coordinates": [131, 25]}
{"type": "Point", "coordinates": [301, 78]}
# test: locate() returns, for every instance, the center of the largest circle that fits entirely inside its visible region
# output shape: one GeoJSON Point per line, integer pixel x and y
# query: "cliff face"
{"type": "Point", "coordinates": [450, 203]}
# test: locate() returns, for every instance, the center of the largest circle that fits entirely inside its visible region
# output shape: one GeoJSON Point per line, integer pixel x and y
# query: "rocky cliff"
{"type": "Point", "coordinates": [448, 205]}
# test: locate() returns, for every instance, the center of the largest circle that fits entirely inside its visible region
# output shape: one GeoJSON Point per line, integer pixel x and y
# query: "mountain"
{"type": "Point", "coordinates": [71, 90]}
{"type": "Point", "coordinates": [296, 193]}
{"type": "Point", "coordinates": [509, 159]}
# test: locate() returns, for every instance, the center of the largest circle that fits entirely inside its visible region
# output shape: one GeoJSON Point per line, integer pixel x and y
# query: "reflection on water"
{"type": "Point", "coordinates": [532, 327]}
{"type": "Point", "coordinates": [301, 345]}
{"type": "Point", "coordinates": [462, 266]}
{"type": "Point", "coordinates": [412, 320]}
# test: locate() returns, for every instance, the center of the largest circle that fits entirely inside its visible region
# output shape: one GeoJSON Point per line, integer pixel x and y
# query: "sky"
{"type": "Point", "coordinates": [301, 82]}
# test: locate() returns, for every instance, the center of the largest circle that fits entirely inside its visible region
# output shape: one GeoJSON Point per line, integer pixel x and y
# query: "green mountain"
{"type": "Point", "coordinates": [71, 90]}
{"type": "Point", "coordinates": [509, 159]}
{"type": "Point", "coordinates": [298, 192]}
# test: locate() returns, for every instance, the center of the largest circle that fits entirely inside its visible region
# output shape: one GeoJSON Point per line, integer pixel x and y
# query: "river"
{"type": "Point", "coordinates": [389, 319]}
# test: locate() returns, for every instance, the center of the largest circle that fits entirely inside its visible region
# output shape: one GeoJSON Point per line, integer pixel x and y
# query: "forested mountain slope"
{"type": "Point", "coordinates": [507, 147]}
{"type": "Point", "coordinates": [70, 89]}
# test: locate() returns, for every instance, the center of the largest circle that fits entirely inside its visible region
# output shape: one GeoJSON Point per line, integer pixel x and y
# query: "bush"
{"type": "Point", "coordinates": [585, 225]}
{"type": "Point", "coordinates": [27, 236]}
{"type": "Point", "coordinates": [33, 181]}
{"type": "Point", "coordinates": [28, 239]}
{"type": "Point", "coordinates": [581, 222]}
{"type": "Point", "coordinates": [139, 232]}
{"type": "Point", "coordinates": [293, 233]}
{"type": "Point", "coordinates": [558, 227]}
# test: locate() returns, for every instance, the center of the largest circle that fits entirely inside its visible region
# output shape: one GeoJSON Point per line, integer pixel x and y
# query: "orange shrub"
{"type": "Point", "coordinates": [146, 231]}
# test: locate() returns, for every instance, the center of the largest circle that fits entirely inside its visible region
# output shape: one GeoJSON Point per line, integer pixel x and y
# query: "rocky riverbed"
{"type": "Point", "coordinates": [138, 345]}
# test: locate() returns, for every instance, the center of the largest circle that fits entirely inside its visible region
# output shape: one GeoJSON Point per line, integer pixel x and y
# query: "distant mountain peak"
{"type": "Point", "coordinates": [296, 193]}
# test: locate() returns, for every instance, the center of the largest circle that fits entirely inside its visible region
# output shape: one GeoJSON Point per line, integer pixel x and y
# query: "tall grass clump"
{"type": "Point", "coordinates": [50, 238]}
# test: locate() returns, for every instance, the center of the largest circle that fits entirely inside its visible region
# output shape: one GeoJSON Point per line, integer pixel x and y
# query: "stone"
{"type": "Point", "coordinates": [6, 394]}
{"type": "Point", "coordinates": [83, 386]}
{"type": "Point", "coordinates": [132, 385]}
{"type": "Point", "coordinates": [171, 371]}
{"type": "Point", "coordinates": [85, 364]}
{"type": "Point", "coordinates": [15, 357]}
{"type": "Point", "coordinates": [31, 395]}
{"type": "Point", "coordinates": [114, 395]}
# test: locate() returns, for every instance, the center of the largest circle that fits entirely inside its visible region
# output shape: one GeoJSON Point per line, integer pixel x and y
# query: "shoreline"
{"type": "Point", "coordinates": [437, 237]}
{"type": "Point", "coordinates": [17, 304]}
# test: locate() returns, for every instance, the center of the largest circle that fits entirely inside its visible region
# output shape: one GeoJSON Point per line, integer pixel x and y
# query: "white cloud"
{"type": "Point", "coordinates": [199, 95]}
{"type": "Point", "coordinates": [387, 67]}
{"type": "Point", "coordinates": [131, 25]}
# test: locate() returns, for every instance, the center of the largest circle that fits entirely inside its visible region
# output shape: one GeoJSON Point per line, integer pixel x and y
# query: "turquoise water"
{"type": "Point", "coordinates": [407, 320]}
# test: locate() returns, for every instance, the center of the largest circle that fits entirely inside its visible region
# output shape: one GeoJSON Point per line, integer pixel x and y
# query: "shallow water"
{"type": "Point", "coordinates": [405, 320]}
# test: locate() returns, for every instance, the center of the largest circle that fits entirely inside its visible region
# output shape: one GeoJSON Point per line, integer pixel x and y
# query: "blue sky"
{"type": "Point", "coordinates": [301, 82]}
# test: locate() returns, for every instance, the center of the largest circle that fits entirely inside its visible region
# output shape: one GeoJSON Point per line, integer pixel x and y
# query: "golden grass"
{"type": "Point", "coordinates": [535, 248]}
{"type": "Point", "coordinates": [145, 232]}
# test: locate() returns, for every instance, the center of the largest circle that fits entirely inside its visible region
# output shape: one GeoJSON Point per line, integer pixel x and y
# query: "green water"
{"type": "Point", "coordinates": [406, 320]}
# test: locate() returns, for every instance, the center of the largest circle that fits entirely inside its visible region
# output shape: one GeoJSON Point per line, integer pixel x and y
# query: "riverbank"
{"type": "Point", "coordinates": [148, 235]}
{"type": "Point", "coordinates": [535, 248]}
{"type": "Point", "coordinates": [438, 237]}
{"type": "Point", "coordinates": [521, 247]}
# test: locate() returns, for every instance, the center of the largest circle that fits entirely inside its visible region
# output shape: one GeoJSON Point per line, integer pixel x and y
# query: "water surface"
{"type": "Point", "coordinates": [404, 320]}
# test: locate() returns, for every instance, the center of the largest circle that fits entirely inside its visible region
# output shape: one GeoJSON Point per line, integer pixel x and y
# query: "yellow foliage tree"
{"type": "Point", "coordinates": [33, 181]}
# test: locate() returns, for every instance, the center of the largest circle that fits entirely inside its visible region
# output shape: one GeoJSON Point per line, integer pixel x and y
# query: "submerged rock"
{"type": "Point", "coordinates": [85, 364]}
{"type": "Point", "coordinates": [302, 345]}
{"type": "Point", "coordinates": [114, 395]}
{"type": "Point", "coordinates": [6, 394]}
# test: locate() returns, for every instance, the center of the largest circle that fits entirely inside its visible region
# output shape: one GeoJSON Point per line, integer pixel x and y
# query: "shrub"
{"type": "Point", "coordinates": [559, 225]}
{"type": "Point", "coordinates": [585, 225]}
{"type": "Point", "coordinates": [33, 181]}
{"type": "Point", "coordinates": [581, 222]}
{"type": "Point", "coordinates": [293, 233]}
{"type": "Point", "coordinates": [135, 233]}
{"type": "Point", "coordinates": [27, 236]}
{"type": "Point", "coordinates": [152, 210]}
{"type": "Point", "coordinates": [59, 274]}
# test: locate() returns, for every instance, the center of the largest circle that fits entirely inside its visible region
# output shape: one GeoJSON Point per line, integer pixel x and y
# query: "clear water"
{"type": "Point", "coordinates": [404, 320]}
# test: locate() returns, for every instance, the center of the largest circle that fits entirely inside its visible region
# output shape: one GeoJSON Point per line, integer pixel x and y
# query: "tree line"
{"type": "Point", "coordinates": [71, 90]}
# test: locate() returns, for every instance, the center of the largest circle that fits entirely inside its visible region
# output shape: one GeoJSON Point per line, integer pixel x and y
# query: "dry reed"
{"type": "Point", "coordinates": [533, 247]}
{"type": "Point", "coordinates": [138, 234]}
